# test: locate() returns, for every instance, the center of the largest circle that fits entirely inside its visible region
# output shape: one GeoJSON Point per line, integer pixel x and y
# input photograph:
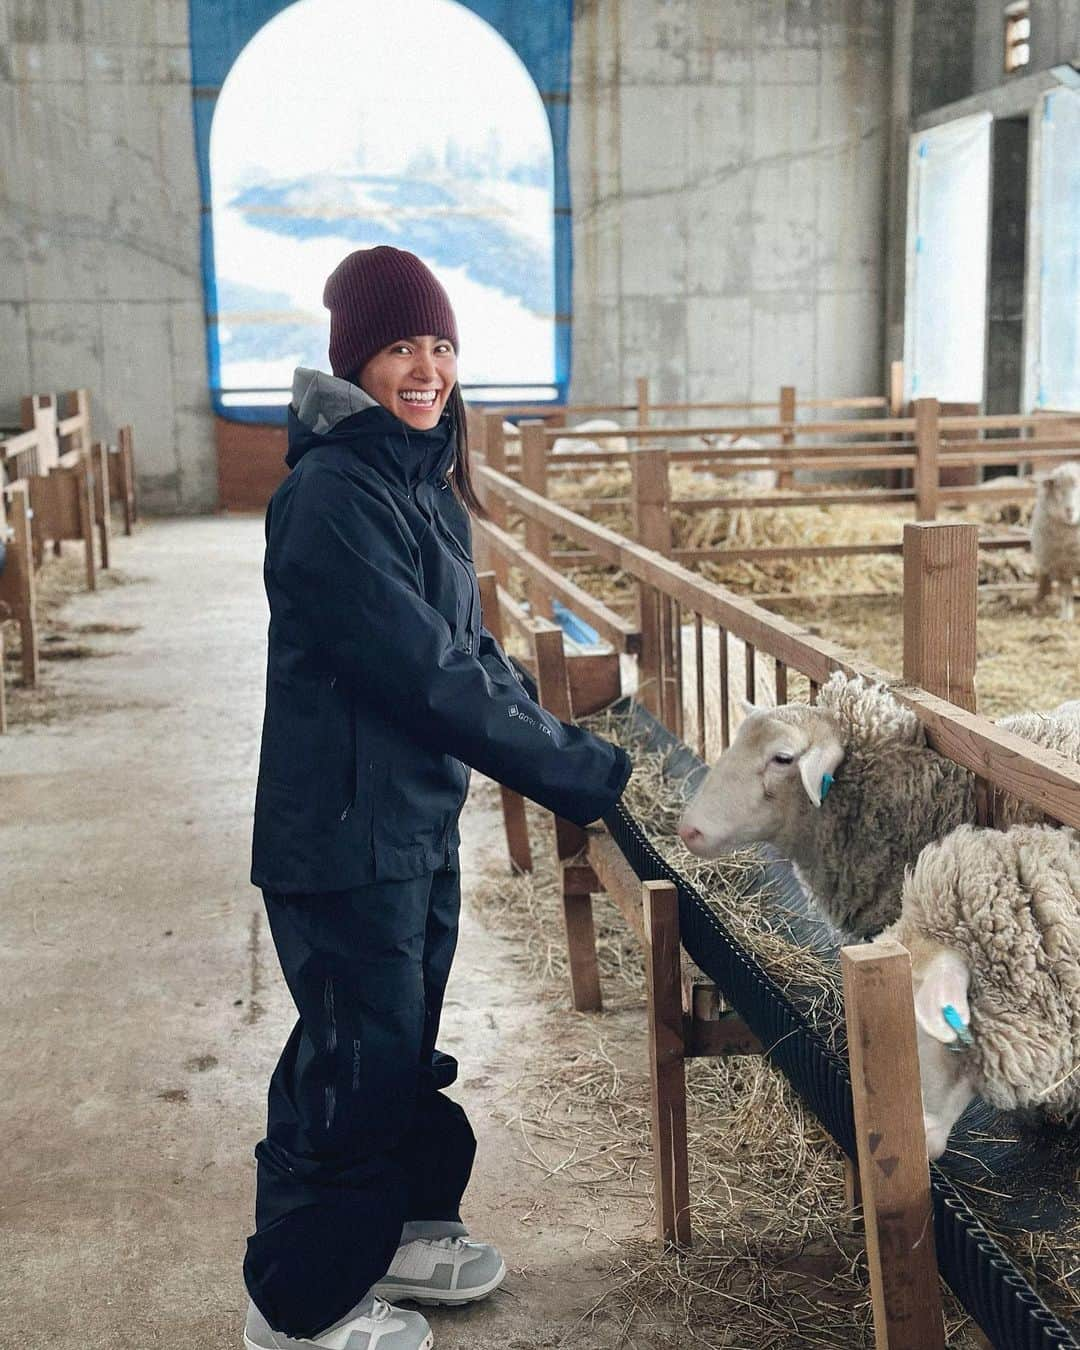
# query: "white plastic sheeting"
{"type": "Point", "coordinates": [1059, 279]}
{"type": "Point", "coordinates": [948, 219]}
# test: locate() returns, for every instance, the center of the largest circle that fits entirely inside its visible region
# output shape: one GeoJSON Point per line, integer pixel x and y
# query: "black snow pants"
{"type": "Point", "coordinates": [359, 1137]}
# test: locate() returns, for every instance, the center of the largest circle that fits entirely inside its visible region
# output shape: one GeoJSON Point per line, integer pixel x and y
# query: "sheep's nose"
{"type": "Point", "coordinates": [690, 836]}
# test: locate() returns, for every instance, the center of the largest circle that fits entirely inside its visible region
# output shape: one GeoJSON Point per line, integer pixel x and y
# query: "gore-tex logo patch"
{"type": "Point", "coordinates": [515, 711]}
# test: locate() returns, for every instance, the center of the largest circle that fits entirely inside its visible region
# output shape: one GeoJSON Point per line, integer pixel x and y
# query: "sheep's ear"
{"type": "Point", "coordinates": [945, 984]}
{"type": "Point", "coordinates": [817, 766]}
{"type": "Point", "coordinates": [746, 707]}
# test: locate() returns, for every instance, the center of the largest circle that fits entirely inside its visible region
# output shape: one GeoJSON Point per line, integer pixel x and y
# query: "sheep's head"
{"type": "Point", "coordinates": [775, 773]}
{"type": "Point", "coordinates": [940, 980]}
{"type": "Point", "coordinates": [1060, 493]}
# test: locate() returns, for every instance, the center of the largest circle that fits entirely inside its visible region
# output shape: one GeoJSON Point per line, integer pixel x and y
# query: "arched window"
{"type": "Point", "coordinates": [344, 124]}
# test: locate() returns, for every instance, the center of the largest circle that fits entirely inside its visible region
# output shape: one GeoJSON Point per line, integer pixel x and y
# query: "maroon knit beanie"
{"type": "Point", "coordinates": [376, 295]}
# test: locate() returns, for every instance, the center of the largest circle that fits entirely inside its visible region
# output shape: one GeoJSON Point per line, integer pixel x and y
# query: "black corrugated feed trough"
{"type": "Point", "coordinates": [1026, 1182]}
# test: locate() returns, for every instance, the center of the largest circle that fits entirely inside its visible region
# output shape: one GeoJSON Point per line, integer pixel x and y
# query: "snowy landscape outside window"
{"type": "Point", "coordinates": [414, 125]}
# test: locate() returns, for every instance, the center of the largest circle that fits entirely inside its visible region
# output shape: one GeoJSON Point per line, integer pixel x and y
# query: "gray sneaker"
{"type": "Point", "coordinates": [372, 1325]}
{"type": "Point", "coordinates": [437, 1264]}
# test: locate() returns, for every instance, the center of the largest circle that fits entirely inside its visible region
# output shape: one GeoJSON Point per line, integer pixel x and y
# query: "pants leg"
{"type": "Point", "coordinates": [432, 1153]}
{"type": "Point", "coordinates": [354, 1103]}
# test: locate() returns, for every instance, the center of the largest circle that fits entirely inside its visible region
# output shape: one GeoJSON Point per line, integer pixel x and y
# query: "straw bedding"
{"type": "Point", "coordinates": [775, 1262]}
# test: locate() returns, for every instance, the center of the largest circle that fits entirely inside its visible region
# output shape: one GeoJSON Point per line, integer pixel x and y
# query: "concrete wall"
{"type": "Point", "coordinates": [728, 170]}
{"type": "Point", "coordinates": [100, 281]}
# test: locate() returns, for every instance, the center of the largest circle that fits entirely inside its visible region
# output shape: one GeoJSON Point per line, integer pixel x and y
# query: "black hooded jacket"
{"type": "Point", "coordinates": [382, 683]}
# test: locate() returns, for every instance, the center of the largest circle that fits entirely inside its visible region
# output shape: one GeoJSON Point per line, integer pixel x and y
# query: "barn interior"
{"type": "Point", "coordinates": [809, 271]}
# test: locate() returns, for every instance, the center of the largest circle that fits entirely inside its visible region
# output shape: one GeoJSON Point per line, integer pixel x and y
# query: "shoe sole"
{"type": "Point", "coordinates": [425, 1344]}
{"type": "Point", "coordinates": [439, 1298]}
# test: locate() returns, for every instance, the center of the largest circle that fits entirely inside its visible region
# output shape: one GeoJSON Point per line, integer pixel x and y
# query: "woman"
{"type": "Point", "coordinates": [382, 685]}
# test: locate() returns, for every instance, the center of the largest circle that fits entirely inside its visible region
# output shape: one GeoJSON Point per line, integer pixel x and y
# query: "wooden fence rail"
{"type": "Point", "coordinates": [671, 593]}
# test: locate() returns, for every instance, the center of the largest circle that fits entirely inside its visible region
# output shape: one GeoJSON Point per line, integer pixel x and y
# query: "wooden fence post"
{"type": "Point", "coordinates": [85, 490]}
{"type": "Point", "coordinates": [896, 388]}
{"type": "Point", "coordinates": [667, 1048]}
{"type": "Point", "coordinates": [643, 400]}
{"type": "Point", "coordinates": [893, 1169]}
{"type": "Point", "coordinates": [537, 536]}
{"type": "Point", "coordinates": [99, 467]}
{"type": "Point", "coordinates": [941, 576]}
{"type": "Point", "coordinates": [652, 527]}
{"type": "Point", "coordinates": [577, 879]}
{"type": "Point", "coordinates": [495, 455]}
{"type": "Point", "coordinates": [476, 428]}
{"type": "Point", "coordinates": [786, 477]}
{"type": "Point", "coordinates": [513, 804]}
{"type": "Point", "coordinates": [927, 441]}
{"type": "Point", "coordinates": [125, 449]}
{"type": "Point", "coordinates": [17, 584]}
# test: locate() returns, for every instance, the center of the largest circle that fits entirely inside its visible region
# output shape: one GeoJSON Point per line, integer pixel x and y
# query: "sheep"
{"type": "Point", "coordinates": [616, 445]}
{"type": "Point", "coordinates": [1055, 533]}
{"type": "Point", "coordinates": [892, 795]}
{"type": "Point", "coordinates": [992, 922]}
{"type": "Point", "coordinates": [759, 478]}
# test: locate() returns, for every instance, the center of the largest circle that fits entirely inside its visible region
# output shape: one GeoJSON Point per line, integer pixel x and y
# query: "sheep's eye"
{"type": "Point", "coordinates": [782, 758]}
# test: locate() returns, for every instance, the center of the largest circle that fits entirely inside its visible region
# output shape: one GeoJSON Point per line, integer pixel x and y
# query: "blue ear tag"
{"type": "Point", "coordinates": [826, 784]}
{"type": "Point", "coordinates": [953, 1018]}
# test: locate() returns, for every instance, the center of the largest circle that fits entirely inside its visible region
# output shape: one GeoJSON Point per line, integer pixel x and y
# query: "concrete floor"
{"type": "Point", "coordinates": [141, 1008]}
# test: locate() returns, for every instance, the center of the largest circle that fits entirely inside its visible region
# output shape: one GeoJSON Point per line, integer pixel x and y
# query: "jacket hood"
{"type": "Point", "coordinates": [326, 409]}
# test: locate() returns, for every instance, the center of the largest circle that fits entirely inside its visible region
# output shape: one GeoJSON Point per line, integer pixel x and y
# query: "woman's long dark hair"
{"type": "Point", "coordinates": [460, 475]}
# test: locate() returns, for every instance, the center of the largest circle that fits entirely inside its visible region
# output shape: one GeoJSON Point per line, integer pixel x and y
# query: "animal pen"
{"type": "Point", "coordinates": [919, 1220]}
{"type": "Point", "coordinates": [56, 484]}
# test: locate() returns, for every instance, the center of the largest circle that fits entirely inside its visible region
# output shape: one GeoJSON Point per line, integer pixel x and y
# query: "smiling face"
{"type": "Point", "coordinates": [412, 378]}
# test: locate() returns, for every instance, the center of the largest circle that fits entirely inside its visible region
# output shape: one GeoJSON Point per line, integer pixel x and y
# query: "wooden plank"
{"type": "Point", "coordinates": [623, 634]}
{"type": "Point", "coordinates": [892, 1147]}
{"type": "Point", "coordinates": [513, 804]}
{"type": "Point", "coordinates": [1021, 447]}
{"type": "Point", "coordinates": [652, 529]}
{"type": "Point", "coordinates": [652, 517]}
{"type": "Point", "coordinates": [927, 443]}
{"type": "Point", "coordinates": [525, 623]}
{"type": "Point", "coordinates": [987, 493]}
{"type": "Point", "coordinates": [595, 681]}
{"type": "Point", "coordinates": [877, 426]}
{"type": "Point", "coordinates": [10, 446]}
{"type": "Point", "coordinates": [99, 464]}
{"type": "Point", "coordinates": [725, 691]}
{"type": "Point", "coordinates": [495, 459]}
{"type": "Point", "coordinates": [125, 450]}
{"type": "Point", "coordinates": [17, 583]}
{"type": "Point", "coordinates": [871, 497]}
{"type": "Point", "coordinates": [3, 689]}
{"type": "Point", "coordinates": [781, 684]}
{"type": "Point", "coordinates": [617, 877]}
{"type": "Point", "coordinates": [896, 389]}
{"type": "Point", "coordinates": [864, 401]}
{"type": "Point", "coordinates": [642, 389]}
{"type": "Point", "coordinates": [941, 578]}
{"type": "Point", "coordinates": [667, 1074]}
{"type": "Point", "coordinates": [554, 692]}
{"type": "Point", "coordinates": [537, 534]}
{"type": "Point", "coordinates": [1002, 541]}
{"type": "Point", "coordinates": [711, 1029]}
{"type": "Point", "coordinates": [85, 491]}
{"type": "Point", "coordinates": [787, 439]}
{"type": "Point", "coordinates": [801, 458]}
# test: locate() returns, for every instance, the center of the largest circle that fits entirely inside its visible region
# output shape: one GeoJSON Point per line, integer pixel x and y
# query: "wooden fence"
{"type": "Point", "coordinates": [937, 684]}
{"type": "Point", "coordinates": [927, 445]}
{"type": "Point", "coordinates": [56, 484]}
